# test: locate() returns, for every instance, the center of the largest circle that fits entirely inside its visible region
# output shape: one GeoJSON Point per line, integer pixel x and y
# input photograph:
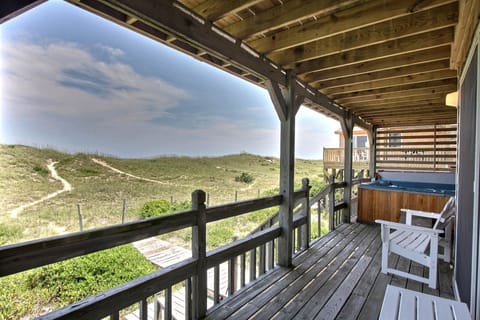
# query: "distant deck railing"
{"type": "Point", "coordinates": [334, 158]}
{"type": "Point", "coordinates": [247, 258]}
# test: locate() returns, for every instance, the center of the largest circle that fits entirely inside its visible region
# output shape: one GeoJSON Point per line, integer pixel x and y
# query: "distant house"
{"type": "Point", "coordinates": [333, 158]}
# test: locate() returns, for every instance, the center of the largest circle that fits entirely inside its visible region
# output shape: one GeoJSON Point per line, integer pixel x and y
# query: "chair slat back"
{"type": "Point", "coordinates": [446, 214]}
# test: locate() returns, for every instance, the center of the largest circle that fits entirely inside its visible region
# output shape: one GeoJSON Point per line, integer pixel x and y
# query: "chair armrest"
{"type": "Point", "coordinates": [424, 214]}
{"type": "Point", "coordinates": [406, 227]}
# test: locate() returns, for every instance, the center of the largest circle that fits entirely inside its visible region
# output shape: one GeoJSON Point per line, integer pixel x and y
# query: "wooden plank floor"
{"type": "Point", "coordinates": [337, 278]}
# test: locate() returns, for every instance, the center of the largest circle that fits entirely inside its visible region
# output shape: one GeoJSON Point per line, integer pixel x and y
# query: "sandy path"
{"type": "Point", "coordinates": [53, 172]}
{"type": "Point", "coordinates": [106, 165]}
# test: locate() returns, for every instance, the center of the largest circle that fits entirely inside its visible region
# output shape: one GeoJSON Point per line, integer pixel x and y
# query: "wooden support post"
{"type": "Point", "coordinates": [286, 103]}
{"type": "Point", "coordinates": [305, 229]}
{"type": "Point", "coordinates": [199, 249]}
{"type": "Point", "coordinates": [372, 140]}
{"type": "Point", "coordinates": [347, 128]}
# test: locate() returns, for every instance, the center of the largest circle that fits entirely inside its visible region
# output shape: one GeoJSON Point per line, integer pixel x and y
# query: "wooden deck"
{"type": "Point", "coordinates": [337, 278]}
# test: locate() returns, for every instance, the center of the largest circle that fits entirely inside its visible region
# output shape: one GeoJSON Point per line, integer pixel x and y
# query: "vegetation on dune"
{"type": "Point", "coordinates": [43, 289]}
{"type": "Point", "coordinates": [100, 192]}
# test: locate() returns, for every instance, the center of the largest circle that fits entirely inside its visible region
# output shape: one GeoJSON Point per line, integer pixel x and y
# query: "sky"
{"type": "Point", "coordinates": [75, 82]}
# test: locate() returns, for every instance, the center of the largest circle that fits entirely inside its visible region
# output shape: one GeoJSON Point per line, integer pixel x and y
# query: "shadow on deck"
{"type": "Point", "coordinates": [337, 278]}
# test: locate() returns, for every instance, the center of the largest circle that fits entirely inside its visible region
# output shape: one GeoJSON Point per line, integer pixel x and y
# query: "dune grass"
{"type": "Point", "coordinates": [101, 191]}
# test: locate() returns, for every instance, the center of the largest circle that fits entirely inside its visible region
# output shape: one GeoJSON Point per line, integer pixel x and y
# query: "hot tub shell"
{"type": "Point", "coordinates": [384, 199]}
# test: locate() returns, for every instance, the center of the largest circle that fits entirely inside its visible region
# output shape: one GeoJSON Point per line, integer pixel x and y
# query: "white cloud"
{"type": "Point", "coordinates": [66, 80]}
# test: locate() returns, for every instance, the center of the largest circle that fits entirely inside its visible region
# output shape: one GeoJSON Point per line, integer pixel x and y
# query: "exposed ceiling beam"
{"type": "Point", "coordinates": [346, 20]}
{"type": "Point", "coordinates": [388, 63]}
{"type": "Point", "coordinates": [285, 14]}
{"type": "Point", "coordinates": [393, 82]}
{"type": "Point", "coordinates": [213, 9]}
{"type": "Point", "coordinates": [378, 105]}
{"type": "Point", "coordinates": [384, 74]}
{"type": "Point", "coordinates": [401, 94]}
{"type": "Point", "coordinates": [404, 87]}
{"type": "Point", "coordinates": [464, 32]}
{"type": "Point", "coordinates": [390, 48]}
{"type": "Point", "coordinates": [409, 100]}
{"type": "Point", "coordinates": [419, 22]}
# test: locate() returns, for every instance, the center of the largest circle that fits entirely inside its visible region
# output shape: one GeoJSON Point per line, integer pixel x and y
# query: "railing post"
{"type": "Point", "coordinates": [331, 203]}
{"type": "Point", "coordinates": [199, 249]}
{"type": "Point", "coordinates": [305, 229]}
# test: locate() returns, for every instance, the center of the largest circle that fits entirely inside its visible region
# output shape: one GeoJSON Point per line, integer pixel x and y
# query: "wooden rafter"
{"type": "Point", "coordinates": [419, 22]}
{"type": "Point", "coordinates": [213, 10]}
{"type": "Point", "coordinates": [390, 48]}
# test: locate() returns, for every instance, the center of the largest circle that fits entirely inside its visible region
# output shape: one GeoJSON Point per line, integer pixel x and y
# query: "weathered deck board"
{"type": "Point", "coordinates": [337, 278]}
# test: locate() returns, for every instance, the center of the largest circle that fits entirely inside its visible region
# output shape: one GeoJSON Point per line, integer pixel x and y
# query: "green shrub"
{"type": "Point", "coordinates": [40, 170]}
{"type": "Point", "coordinates": [244, 177]}
{"type": "Point", "coordinates": [56, 285]}
{"type": "Point", "coordinates": [155, 208]}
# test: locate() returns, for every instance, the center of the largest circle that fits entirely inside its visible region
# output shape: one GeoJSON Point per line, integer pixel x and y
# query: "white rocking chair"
{"type": "Point", "coordinates": [419, 244]}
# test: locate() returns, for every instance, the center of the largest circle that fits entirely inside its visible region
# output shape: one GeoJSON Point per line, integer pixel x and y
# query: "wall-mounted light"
{"type": "Point", "coordinates": [452, 99]}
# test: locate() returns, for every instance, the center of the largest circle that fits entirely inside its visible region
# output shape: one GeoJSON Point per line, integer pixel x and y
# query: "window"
{"type": "Point", "coordinates": [360, 141]}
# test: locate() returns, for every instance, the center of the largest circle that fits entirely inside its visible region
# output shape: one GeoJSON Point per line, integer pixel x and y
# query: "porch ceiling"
{"type": "Point", "coordinates": [390, 62]}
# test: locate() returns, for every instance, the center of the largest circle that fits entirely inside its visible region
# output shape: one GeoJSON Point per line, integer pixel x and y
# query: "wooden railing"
{"type": "Point", "coordinates": [191, 272]}
{"type": "Point", "coordinates": [325, 203]}
{"type": "Point", "coordinates": [247, 258]}
{"type": "Point", "coordinates": [334, 158]}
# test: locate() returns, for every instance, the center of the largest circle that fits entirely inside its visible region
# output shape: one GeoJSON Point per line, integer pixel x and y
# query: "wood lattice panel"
{"type": "Point", "coordinates": [425, 148]}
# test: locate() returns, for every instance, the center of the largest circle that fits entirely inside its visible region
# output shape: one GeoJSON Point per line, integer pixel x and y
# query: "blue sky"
{"type": "Point", "coordinates": [84, 84]}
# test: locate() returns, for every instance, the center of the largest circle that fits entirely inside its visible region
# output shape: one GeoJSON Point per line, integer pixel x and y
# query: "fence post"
{"type": "Point", "coordinates": [236, 195]}
{"type": "Point", "coordinates": [80, 220]}
{"type": "Point", "coordinates": [199, 248]}
{"type": "Point", "coordinates": [305, 229]}
{"type": "Point", "coordinates": [331, 203]}
{"type": "Point", "coordinates": [124, 209]}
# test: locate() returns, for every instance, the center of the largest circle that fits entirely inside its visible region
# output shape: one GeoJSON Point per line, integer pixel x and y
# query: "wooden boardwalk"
{"type": "Point", "coordinates": [337, 278]}
{"type": "Point", "coordinates": [164, 254]}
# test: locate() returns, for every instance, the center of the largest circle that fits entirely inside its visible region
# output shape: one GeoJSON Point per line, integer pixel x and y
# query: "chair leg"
{"type": "Point", "coordinates": [432, 276]}
{"type": "Point", "coordinates": [385, 254]}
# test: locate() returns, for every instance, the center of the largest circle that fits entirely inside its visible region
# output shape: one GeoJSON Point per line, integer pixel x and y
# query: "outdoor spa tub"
{"type": "Point", "coordinates": [383, 199]}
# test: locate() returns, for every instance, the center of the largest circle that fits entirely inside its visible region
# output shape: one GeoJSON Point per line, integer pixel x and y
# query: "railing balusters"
{"type": "Point", "coordinates": [270, 255]}
{"type": "Point", "coordinates": [262, 261]}
{"type": "Point", "coordinates": [232, 275]}
{"type": "Point", "coordinates": [319, 218]}
{"type": "Point", "coordinates": [143, 309]}
{"type": "Point", "coordinates": [157, 307]}
{"type": "Point", "coordinates": [168, 303]}
{"type": "Point", "coordinates": [216, 284]}
{"type": "Point", "coordinates": [253, 264]}
{"type": "Point", "coordinates": [188, 298]}
{"type": "Point", "coordinates": [242, 269]}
